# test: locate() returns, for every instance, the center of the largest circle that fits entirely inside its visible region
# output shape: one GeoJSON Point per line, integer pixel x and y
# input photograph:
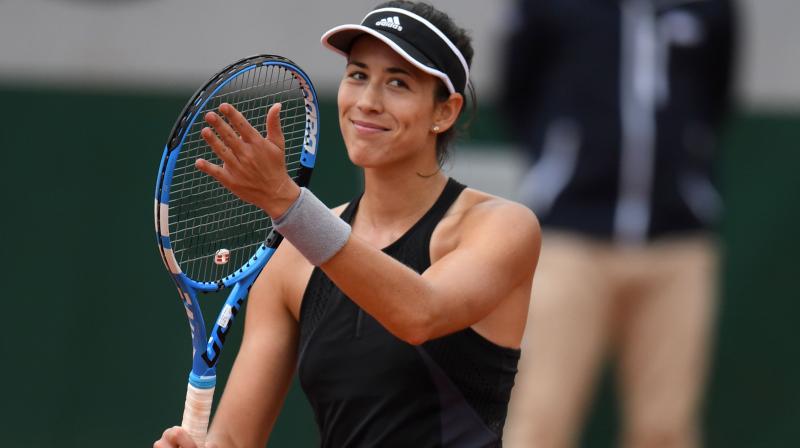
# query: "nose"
{"type": "Point", "coordinates": [370, 99]}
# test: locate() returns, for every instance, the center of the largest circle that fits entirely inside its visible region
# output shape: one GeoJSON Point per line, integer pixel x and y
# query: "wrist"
{"type": "Point", "coordinates": [312, 228]}
{"type": "Point", "coordinates": [283, 198]}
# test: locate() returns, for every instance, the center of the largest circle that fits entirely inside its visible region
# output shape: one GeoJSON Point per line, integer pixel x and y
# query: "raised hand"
{"type": "Point", "coordinates": [254, 167]}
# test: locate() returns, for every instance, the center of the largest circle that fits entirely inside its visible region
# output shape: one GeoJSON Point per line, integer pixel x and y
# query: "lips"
{"type": "Point", "coordinates": [368, 127]}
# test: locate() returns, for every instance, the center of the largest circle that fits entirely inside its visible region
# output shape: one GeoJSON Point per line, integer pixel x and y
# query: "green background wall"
{"type": "Point", "coordinates": [96, 351]}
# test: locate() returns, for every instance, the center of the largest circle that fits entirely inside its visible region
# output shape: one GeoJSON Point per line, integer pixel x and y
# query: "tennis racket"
{"type": "Point", "coordinates": [210, 239]}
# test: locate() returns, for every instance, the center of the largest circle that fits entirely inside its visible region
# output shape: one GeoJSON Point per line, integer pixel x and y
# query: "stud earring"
{"type": "Point", "coordinates": [436, 129]}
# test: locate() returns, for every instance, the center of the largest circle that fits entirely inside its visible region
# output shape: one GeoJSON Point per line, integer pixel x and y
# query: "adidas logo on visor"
{"type": "Point", "coordinates": [390, 22]}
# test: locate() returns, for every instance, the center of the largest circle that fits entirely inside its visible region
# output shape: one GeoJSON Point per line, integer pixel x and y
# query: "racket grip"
{"type": "Point", "coordinates": [196, 413]}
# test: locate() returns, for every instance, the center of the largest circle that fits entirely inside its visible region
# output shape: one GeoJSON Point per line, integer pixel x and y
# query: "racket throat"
{"type": "Point", "coordinates": [220, 332]}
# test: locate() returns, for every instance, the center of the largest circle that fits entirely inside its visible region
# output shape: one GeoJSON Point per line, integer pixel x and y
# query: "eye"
{"type": "Point", "coordinates": [357, 75]}
{"type": "Point", "coordinates": [398, 83]}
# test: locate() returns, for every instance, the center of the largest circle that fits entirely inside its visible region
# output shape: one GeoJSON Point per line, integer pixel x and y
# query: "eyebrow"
{"type": "Point", "coordinates": [393, 70]}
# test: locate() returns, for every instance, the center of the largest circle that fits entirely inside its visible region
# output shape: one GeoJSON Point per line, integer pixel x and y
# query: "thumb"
{"type": "Point", "coordinates": [274, 132]}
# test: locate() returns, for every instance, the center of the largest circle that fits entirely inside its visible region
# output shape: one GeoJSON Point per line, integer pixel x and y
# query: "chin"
{"type": "Point", "coordinates": [362, 161]}
{"type": "Point", "coordinates": [364, 156]}
{"type": "Point", "coordinates": [360, 156]}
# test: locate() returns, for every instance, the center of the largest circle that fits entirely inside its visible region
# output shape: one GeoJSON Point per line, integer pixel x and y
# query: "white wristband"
{"type": "Point", "coordinates": [312, 228]}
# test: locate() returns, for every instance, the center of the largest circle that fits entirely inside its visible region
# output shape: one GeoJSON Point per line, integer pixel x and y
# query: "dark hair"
{"type": "Point", "coordinates": [463, 42]}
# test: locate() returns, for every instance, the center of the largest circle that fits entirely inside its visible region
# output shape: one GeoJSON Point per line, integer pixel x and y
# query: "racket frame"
{"type": "Point", "coordinates": [206, 348]}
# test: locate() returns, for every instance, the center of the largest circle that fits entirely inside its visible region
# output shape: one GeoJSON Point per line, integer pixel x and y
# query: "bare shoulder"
{"type": "Point", "coordinates": [501, 220]}
{"type": "Point", "coordinates": [480, 206]}
{"type": "Point", "coordinates": [479, 218]}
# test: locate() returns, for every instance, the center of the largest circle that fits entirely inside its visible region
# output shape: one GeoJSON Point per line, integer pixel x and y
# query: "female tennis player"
{"type": "Point", "coordinates": [403, 310]}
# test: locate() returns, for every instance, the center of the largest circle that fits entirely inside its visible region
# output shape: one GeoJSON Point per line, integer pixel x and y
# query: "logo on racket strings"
{"type": "Point", "coordinates": [222, 256]}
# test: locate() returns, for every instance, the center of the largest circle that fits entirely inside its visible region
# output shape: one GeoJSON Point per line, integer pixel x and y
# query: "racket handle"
{"type": "Point", "coordinates": [196, 413]}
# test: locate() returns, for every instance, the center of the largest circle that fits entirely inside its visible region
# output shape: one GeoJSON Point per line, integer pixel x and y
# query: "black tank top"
{"type": "Point", "coordinates": [368, 388]}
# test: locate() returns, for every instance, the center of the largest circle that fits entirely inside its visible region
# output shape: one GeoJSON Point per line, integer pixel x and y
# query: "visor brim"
{"type": "Point", "coordinates": [340, 39]}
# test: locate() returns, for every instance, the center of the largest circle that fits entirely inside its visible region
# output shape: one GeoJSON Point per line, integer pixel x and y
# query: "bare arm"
{"type": "Point", "coordinates": [496, 254]}
{"type": "Point", "coordinates": [262, 373]}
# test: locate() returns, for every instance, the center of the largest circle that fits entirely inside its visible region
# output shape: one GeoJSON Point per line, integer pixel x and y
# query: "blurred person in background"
{"type": "Point", "coordinates": [619, 105]}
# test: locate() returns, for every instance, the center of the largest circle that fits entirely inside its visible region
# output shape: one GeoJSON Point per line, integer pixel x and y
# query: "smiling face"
{"type": "Point", "coordinates": [387, 109]}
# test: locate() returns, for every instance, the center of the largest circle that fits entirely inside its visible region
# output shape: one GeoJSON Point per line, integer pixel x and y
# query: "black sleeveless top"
{"type": "Point", "coordinates": [370, 389]}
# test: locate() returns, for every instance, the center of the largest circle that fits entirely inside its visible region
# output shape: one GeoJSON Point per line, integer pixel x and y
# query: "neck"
{"type": "Point", "coordinates": [396, 200]}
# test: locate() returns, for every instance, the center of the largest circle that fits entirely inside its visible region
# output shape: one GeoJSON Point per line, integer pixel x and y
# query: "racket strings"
{"type": "Point", "coordinates": [292, 129]}
{"type": "Point", "coordinates": [293, 160]}
{"type": "Point", "coordinates": [208, 213]}
{"type": "Point", "coordinates": [204, 216]}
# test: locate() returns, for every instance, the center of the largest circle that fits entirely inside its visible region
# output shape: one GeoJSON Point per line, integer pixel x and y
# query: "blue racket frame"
{"type": "Point", "coordinates": [207, 348]}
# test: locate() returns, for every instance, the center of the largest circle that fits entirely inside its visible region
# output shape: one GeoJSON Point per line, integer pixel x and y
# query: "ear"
{"type": "Point", "coordinates": [446, 112]}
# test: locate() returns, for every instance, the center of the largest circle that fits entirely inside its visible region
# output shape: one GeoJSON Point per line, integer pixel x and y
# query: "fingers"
{"type": "Point", "coordinates": [175, 437]}
{"type": "Point", "coordinates": [215, 171]}
{"type": "Point", "coordinates": [248, 168]}
{"type": "Point", "coordinates": [274, 131]}
{"type": "Point", "coordinates": [218, 146]}
{"type": "Point", "coordinates": [224, 132]}
{"type": "Point", "coordinates": [235, 125]}
{"type": "Point", "coordinates": [240, 123]}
